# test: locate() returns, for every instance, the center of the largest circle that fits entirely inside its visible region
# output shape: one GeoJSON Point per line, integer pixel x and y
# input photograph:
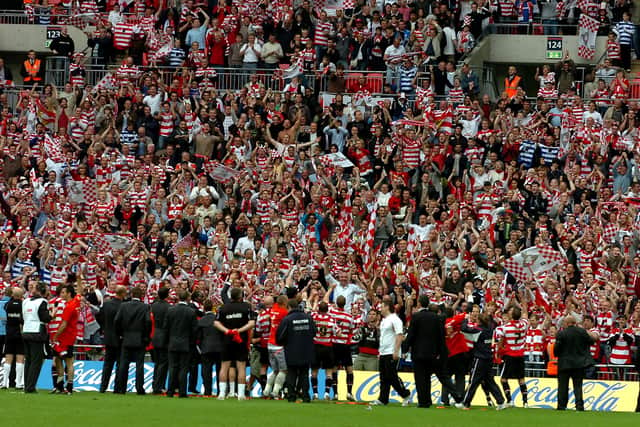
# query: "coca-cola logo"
{"type": "Point", "coordinates": [542, 393]}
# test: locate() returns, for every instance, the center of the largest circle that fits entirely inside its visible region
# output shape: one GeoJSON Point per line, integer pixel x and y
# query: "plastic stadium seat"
{"type": "Point", "coordinates": [351, 81]}
{"type": "Point", "coordinates": [374, 81]}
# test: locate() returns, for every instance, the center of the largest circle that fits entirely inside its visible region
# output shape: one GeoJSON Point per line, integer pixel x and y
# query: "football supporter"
{"type": "Point", "coordinates": [65, 337]}
{"type": "Point", "coordinates": [512, 342]}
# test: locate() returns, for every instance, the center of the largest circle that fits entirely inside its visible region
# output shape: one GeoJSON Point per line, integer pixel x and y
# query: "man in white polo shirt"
{"type": "Point", "coordinates": [390, 343]}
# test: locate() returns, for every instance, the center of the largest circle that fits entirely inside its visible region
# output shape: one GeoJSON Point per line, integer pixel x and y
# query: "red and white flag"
{"type": "Point", "coordinates": [587, 36]}
{"type": "Point", "coordinates": [53, 149]}
{"type": "Point", "coordinates": [527, 264]}
{"type": "Point", "coordinates": [107, 82]}
{"type": "Point", "coordinates": [368, 243]}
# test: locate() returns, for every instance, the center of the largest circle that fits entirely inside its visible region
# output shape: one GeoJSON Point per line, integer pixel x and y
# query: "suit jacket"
{"type": "Point", "coordinates": [572, 348]}
{"type": "Point", "coordinates": [159, 308]}
{"type": "Point", "coordinates": [133, 324]}
{"type": "Point", "coordinates": [426, 336]}
{"type": "Point", "coordinates": [209, 336]}
{"type": "Point", "coordinates": [296, 333]}
{"type": "Point", "coordinates": [181, 324]}
{"type": "Point", "coordinates": [107, 318]}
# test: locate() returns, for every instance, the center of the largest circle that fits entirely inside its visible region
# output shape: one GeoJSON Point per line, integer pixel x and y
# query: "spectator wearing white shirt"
{"type": "Point", "coordinates": [346, 289]}
{"type": "Point", "coordinates": [202, 190]}
{"type": "Point", "coordinates": [153, 100]}
{"type": "Point", "coordinates": [251, 52]}
{"type": "Point", "coordinates": [245, 243]}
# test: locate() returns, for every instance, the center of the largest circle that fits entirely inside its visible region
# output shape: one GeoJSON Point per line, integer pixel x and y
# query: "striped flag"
{"type": "Point", "coordinates": [182, 245]}
{"type": "Point", "coordinates": [529, 263]}
{"type": "Point", "coordinates": [587, 36]}
{"type": "Point", "coordinates": [368, 243]}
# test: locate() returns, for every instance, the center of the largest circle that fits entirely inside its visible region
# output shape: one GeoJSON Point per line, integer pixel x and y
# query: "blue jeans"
{"type": "Point", "coordinates": [550, 27]}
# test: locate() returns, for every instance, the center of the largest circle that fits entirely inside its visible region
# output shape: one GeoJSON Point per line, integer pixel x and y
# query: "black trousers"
{"type": "Point", "coordinates": [482, 374]}
{"type": "Point", "coordinates": [194, 362]}
{"type": "Point", "coordinates": [111, 357]}
{"type": "Point", "coordinates": [160, 358]}
{"type": "Point", "coordinates": [625, 56]}
{"type": "Point", "coordinates": [298, 382]}
{"type": "Point", "coordinates": [422, 371]}
{"type": "Point", "coordinates": [127, 356]}
{"type": "Point", "coordinates": [178, 370]}
{"type": "Point", "coordinates": [208, 360]}
{"type": "Point", "coordinates": [34, 357]}
{"type": "Point", "coordinates": [576, 375]}
{"type": "Point", "coordinates": [389, 378]}
{"type": "Point", "coordinates": [458, 366]}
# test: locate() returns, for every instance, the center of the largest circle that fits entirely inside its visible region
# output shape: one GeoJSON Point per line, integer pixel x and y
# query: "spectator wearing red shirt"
{"type": "Point", "coordinates": [65, 337]}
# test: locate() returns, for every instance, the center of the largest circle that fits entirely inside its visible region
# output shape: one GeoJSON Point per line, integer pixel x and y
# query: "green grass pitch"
{"type": "Point", "coordinates": [95, 410]}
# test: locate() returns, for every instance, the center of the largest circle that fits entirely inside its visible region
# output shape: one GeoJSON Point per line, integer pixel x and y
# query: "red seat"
{"type": "Point", "coordinates": [351, 80]}
{"type": "Point", "coordinates": [374, 81]}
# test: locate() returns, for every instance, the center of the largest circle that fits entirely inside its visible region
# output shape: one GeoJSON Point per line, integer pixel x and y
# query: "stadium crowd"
{"type": "Point", "coordinates": [183, 189]}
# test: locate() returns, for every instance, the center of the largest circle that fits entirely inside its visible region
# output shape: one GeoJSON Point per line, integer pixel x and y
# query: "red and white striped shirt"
{"type": "Point", "coordinates": [344, 325]}
{"type": "Point", "coordinates": [122, 36]}
{"type": "Point", "coordinates": [513, 336]}
{"type": "Point", "coordinates": [166, 124]}
{"type": "Point", "coordinates": [325, 327]}
{"type": "Point", "coordinates": [321, 35]}
{"type": "Point", "coordinates": [535, 344]}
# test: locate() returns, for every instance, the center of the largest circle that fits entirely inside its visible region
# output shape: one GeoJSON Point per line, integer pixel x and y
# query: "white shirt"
{"type": "Point", "coordinates": [390, 327]}
{"type": "Point", "coordinates": [153, 102]}
{"type": "Point", "coordinates": [243, 244]}
{"type": "Point", "coordinates": [249, 54]}
{"type": "Point", "coordinates": [199, 191]}
{"type": "Point", "coordinates": [348, 292]}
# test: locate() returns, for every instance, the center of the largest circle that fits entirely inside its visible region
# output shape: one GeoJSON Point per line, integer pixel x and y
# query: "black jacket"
{"type": "Point", "coordinates": [107, 318]}
{"type": "Point", "coordinates": [13, 308]}
{"type": "Point", "coordinates": [572, 348]}
{"type": "Point", "coordinates": [482, 347]}
{"type": "Point", "coordinates": [181, 324]}
{"type": "Point", "coordinates": [209, 336]}
{"type": "Point", "coordinates": [159, 309]}
{"type": "Point", "coordinates": [133, 324]}
{"type": "Point", "coordinates": [63, 45]}
{"type": "Point", "coordinates": [426, 337]}
{"type": "Point", "coordinates": [295, 334]}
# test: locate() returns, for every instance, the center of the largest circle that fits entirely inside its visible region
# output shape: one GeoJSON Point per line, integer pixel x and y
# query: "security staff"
{"type": "Point", "coordinates": [32, 69]}
{"type": "Point", "coordinates": [572, 349]}
{"type": "Point", "coordinates": [181, 325]}
{"type": "Point", "coordinates": [133, 324]}
{"type": "Point", "coordinates": [112, 340]}
{"type": "Point", "coordinates": [35, 316]}
{"type": "Point", "coordinates": [14, 347]}
{"type": "Point", "coordinates": [160, 355]}
{"type": "Point", "coordinates": [295, 334]}
{"type": "Point", "coordinates": [210, 340]}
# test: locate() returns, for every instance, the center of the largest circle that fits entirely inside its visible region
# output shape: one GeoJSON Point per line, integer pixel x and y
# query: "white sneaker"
{"type": "Point", "coordinates": [510, 405]}
{"type": "Point", "coordinates": [232, 395]}
{"type": "Point", "coordinates": [376, 403]}
{"type": "Point", "coordinates": [242, 397]}
{"type": "Point", "coordinates": [350, 397]}
{"type": "Point", "coordinates": [501, 407]}
{"type": "Point", "coordinates": [525, 405]}
{"type": "Point", "coordinates": [406, 401]}
{"type": "Point", "coordinates": [327, 396]}
{"type": "Point", "coordinates": [222, 397]}
{"type": "Point", "coordinates": [315, 396]}
{"type": "Point", "coordinates": [459, 405]}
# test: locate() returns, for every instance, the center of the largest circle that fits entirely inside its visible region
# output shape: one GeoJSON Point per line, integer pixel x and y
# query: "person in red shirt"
{"type": "Point", "coordinates": [276, 352]}
{"type": "Point", "coordinates": [65, 337]}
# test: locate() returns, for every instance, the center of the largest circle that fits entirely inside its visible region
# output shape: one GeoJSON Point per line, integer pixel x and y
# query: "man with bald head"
{"type": "Point", "coordinates": [112, 341]}
{"type": "Point", "coordinates": [572, 350]}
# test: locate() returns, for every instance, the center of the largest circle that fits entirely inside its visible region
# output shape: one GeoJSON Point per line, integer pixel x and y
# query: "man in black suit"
{"type": "Point", "coordinates": [572, 350]}
{"type": "Point", "coordinates": [181, 325]}
{"type": "Point", "coordinates": [160, 355]}
{"type": "Point", "coordinates": [426, 341]}
{"type": "Point", "coordinates": [295, 334]}
{"type": "Point", "coordinates": [210, 339]}
{"type": "Point", "coordinates": [133, 324]}
{"type": "Point", "coordinates": [112, 340]}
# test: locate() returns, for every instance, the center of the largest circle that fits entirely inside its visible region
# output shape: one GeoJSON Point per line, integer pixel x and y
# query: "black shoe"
{"type": "Point", "coordinates": [55, 390]}
{"type": "Point", "coordinates": [183, 396]}
{"type": "Point", "coordinates": [141, 393]}
{"type": "Point", "coordinates": [194, 392]}
{"type": "Point", "coordinates": [169, 395]}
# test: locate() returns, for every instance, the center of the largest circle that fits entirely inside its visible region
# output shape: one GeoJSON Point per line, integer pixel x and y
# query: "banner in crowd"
{"type": "Point", "coordinates": [587, 36]}
{"type": "Point", "coordinates": [331, 6]}
{"type": "Point", "coordinates": [335, 159]}
{"type": "Point", "coordinates": [527, 264]}
{"type": "Point", "coordinates": [618, 396]}
{"type": "Point", "coordinates": [221, 173]}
